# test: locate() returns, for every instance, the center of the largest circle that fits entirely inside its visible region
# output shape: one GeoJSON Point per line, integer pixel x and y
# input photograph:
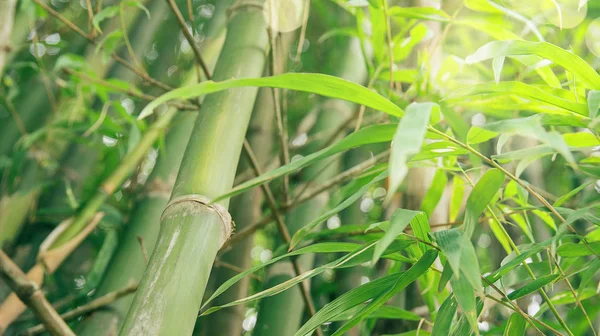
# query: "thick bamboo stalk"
{"type": "Point", "coordinates": [129, 263]}
{"type": "Point", "coordinates": [192, 231]}
{"type": "Point", "coordinates": [246, 209]}
{"type": "Point", "coordinates": [281, 314]}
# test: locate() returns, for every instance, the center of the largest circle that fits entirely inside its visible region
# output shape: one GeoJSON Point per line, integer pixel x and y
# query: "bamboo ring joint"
{"type": "Point", "coordinates": [203, 201]}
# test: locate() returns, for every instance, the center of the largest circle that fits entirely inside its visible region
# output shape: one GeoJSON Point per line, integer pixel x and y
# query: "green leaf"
{"type": "Point", "coordinates": [456, 200]}
{"type": "Point", "coordinates": [390, 284]}
{"type": "Point", "coordinates": [383, 312]}
{"type": "Point", "coordinates": [572, 250]}
{"type": "Point", "coordinates": [366, 135]}
{"type": "Point", "coordinates": [334, 247]}
{"type": "Point", "coordinates": [571, 62]}
{"type": "Point", "coordinates": [481, 195]}
{"type": "Point", "coordinates": [570, 107]}
{"type": "Point", "coordinates": [532, 286]}
{"type": "Point", "coordinates": [581, 139]}
{"type": "Point", "coordinates": [139, 5]}
{"type": "Point", "coordinates": [408, 141]}
{"type": "Point", "coordinates": [460, 253]}
{"type": "Point", "coordinates": [465, 296]}
{"type": "Point", "coordinates": [400, 220]}
{"type": "Point", "coordinates": [320, 84]}
{"type": "Point", "coordinates": [435, 192]}
{"type": "Point", "coordinates": [593, 101]}
{"type": "Point", "coordinates": [281, 287]}
{"type": "Point", "coordinates": [106, 13]}
{"type": "Point", "coordinates": [305, 230]}
{"type": "Point", "coordinates": [422, 13]}
{"type": "Point", "coordinates": [515, 326]}
{"type": "Point", "coordinates": [497, 64]}
{"type": "Point", "coordinates": [562, 199]}
{"type": "Point", "coordinates": [516, 260]}
{"type": "Point", "coordinates": [445, 315]}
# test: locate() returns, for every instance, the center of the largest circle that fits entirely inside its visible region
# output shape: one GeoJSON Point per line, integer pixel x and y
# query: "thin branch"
{"type": "Point", "coordinates": [87, 308]}
{"type": "Point", "coordinates": [31, 294]}
{"type": "Point", "coordinates": [190, 39]}
{"type": "Point", "coordinates": [302, 37]}
{"type": "Point", "coordinates": [280, 118]}
{"type": "Point", "coordinates": [143, 248]}
{"type": "Point", "coordinates": [282, 229]}
{"type": "Point", "coordinates": [129, 91]}
{"type": "Point", "coordinates": [114, 55]}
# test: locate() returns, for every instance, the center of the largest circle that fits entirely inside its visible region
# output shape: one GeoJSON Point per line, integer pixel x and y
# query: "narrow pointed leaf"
{"type": "Point", "coordinates": [481, 195]}
{"type": "Point", "coordinates": [460, 254]}
{"type": "Point", "coordinates": [515, 326]}
{"type": "Point", "coordinates": [443, 320]}
{"type": "Point", "coordinates": [532, 286]}
{"type": "Point", "coordinates": [305, 230]}
{"type": "Point", "coordinates": [408, 141]}
{"type": "Point", "coordinates": [562, 57]}
{"type": "Point", "coordinates": [367, 135]}
{"type": "Point", "coordinates": [400, 220]}
{"type": "Point", "coordinates": [325, 85]}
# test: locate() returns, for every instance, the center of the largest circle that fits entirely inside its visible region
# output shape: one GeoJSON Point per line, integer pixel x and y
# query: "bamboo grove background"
{"type": "Point", "coordinates": [290, 167]}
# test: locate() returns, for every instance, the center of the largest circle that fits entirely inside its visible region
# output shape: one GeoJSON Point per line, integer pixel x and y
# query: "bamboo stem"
{"type": "Point", "coordinates": [191, 232]}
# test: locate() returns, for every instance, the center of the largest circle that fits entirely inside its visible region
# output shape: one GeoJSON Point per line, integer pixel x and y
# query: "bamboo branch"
{"type": "Point", "coordinates": [114, 55]}
{"type": "Point", "coordinates": [188, 36]}
{"type": "Point", "coordinates": [282, 229]}
{"type": "Point", "coordinates": [31, 294]}
{"type": "Point", "coordinates": [87, 308]}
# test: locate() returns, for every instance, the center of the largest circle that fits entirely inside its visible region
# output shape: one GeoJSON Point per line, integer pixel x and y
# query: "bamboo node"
{"type": "Point", "coordinates": [243, 4]}
{"type": "Point", "coordinates": [226, 221]}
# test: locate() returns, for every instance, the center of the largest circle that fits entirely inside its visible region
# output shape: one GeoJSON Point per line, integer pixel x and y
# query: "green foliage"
{"type": "Point", "coordinates": [494, 100]}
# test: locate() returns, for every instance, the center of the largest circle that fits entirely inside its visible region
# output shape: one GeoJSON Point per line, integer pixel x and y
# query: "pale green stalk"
{"type": "Point", "coordinates": [171, 291]}
{"type": "Point", "coordinates": [281, 314]}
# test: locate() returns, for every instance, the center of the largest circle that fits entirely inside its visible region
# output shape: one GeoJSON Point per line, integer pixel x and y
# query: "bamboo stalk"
{"type": "Point", "coordinates": [129, 262]}
{"type": "Point", "coordinates": [281, 314]}
{"type": "Point", "coordinates": [246, 209]}
{"type": "Point", "coordinates": [192, 230]}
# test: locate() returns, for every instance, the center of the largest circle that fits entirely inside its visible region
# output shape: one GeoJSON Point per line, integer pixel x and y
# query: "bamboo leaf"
{"type": "Point", "coordinates": [305, 230]}
{"type": "Point", "coordinates": [465, 296]}
{"type": "Point", "coordinates": [106, 13]}
{"type": "Point", "coordinates": [515, 261]}
{"type": "Point", "coordinates": [515, 326]}
{"type": "Point", "coordinates": [456, 200]}
{"type": "Point", "coordinates": [366, 292]}
{"type": "Point", "coordinates": [412, 274]}
{"type": "Point", "coordinates": [325, 85]}
{"type": "Point", "coordinates": [435, 192]}
{"type": "Point", "coordinates": [366, 135]}
{"type": "Point", "coordinates": [400, 220]}
{"type": "Point", "coordinates": [443, 320]}
{"type": "Point", "coordinates": [562, 199]}
{"type": "Point", "coordinates": [334, 247]}
{"type": "Point", "coordinates": [291, 282]}
{"type": "Point", "coordinates": [481, 195]}
{"type": "Point", "coordinates": [572, 250]}
{"type": "Point", "coordinates": [575, 109]}
{"type": "Point", "coordinates": [460, 254]}
{"type": "Point", "coordinates": [593, 101]}
{"type": "Point", "coordinates": [408, 140]}
{"type": "Point", "coordinates": [533, 286]}
{"type": "Point", "coordinates": [422, 13]}
{"type": "Point", "coordinates": [562, 57]}
{"type": "Point", "coordinates": [383, 312]}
